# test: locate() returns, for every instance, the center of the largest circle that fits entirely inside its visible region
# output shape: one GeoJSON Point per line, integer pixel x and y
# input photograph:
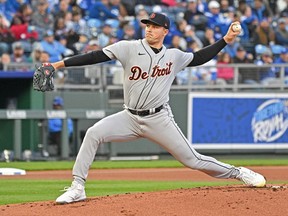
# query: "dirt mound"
{"type": "Point", "coordinates": [216, 201]}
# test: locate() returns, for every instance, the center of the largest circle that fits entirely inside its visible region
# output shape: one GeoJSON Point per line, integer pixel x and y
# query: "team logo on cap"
{"type": "Point", "coordinates": [152, 16]}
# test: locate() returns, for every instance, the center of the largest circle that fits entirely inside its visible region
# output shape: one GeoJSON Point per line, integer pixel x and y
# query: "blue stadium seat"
{"type": "Point", "coordinates": [260, 49]}
{"type": "Point", "coordinates": [276, 49]}
{"type": "Point", "coordinates": [94, 23]}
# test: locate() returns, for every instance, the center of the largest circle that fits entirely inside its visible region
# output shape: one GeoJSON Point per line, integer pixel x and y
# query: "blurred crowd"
{"type": "Point", "coordinates": [35, 31]}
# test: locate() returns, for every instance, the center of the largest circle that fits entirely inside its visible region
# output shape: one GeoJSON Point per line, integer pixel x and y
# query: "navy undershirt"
{"type": "Point", "coordinates": [200, 57]}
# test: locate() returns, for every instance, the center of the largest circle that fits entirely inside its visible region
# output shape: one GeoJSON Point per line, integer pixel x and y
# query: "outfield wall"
{"type": "Point", "coordinates": [219, 122]}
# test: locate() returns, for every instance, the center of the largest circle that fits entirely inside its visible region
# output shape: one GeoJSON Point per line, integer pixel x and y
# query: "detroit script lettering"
{"type": "Point", "coordinates": [157, 71]}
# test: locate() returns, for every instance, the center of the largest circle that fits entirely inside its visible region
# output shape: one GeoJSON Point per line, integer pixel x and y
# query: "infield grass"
{"type": "Point", "coordinates": [23, 190]}
{"type": "Point", "coordinates": [67, 165]}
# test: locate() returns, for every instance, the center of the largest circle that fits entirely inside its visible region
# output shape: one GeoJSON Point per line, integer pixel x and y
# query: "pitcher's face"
{"type": "Point", "coordinates": [155, 34]}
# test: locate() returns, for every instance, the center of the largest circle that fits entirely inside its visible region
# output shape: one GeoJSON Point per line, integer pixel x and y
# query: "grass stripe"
{"type": "Point", "coordinates": [67, 165]}
{"type": "Point", "coordinates": [19, 191]}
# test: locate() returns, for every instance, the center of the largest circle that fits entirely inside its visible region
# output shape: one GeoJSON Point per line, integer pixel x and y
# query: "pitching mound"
{"type": "Point", "coordinates": [216, 201]}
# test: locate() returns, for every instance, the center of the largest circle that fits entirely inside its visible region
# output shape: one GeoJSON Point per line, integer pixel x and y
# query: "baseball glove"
{"type": "Point", "coordinates": [43, 78]}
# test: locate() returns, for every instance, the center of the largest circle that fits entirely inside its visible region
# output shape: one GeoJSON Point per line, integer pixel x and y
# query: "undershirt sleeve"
{"type": "Point", "coordinates": [90, 58]}
{"type": "Point", "coordinates": [207, 53]}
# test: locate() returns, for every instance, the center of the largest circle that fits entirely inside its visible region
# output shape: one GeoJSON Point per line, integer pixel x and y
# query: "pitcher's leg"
{"type": "Point", "coordinates": [164, 131]}
{"type": "Point", "coordinates": [117, 127]}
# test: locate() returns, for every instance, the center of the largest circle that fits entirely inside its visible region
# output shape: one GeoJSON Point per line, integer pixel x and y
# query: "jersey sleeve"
{"type": "Point", "coordinates": [119, 50]}
{"type": "Point", "coordinates": [182, 59]}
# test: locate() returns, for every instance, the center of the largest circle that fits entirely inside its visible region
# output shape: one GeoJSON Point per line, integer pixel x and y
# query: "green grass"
{"type": "Point", "coordinates": [67, 165]}
{"type": "Point", "coordinates": [19, 191]}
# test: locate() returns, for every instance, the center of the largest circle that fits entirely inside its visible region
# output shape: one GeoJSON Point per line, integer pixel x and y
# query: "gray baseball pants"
{"type": "Point", "coordinates": [159, 128]}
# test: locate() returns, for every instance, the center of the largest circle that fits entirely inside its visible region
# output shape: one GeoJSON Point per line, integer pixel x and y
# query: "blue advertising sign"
{"type": "Point", "coordinates": [238, 120]}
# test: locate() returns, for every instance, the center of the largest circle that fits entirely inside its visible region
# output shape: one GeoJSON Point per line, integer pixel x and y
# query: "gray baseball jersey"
{"type": "Point", "coordinates": [147, 76]}
{"type": "Point", "coordinates": [147, 81]}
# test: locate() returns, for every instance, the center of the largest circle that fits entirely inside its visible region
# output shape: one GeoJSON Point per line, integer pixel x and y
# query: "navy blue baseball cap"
{"type": "Point", "coordinates": [58, 101]}
{"type": "Point", "coordinates": [158, 19]}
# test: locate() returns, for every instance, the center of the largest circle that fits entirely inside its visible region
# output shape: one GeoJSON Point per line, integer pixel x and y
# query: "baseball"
{"type": "Point", "coordinates": [236, 27]}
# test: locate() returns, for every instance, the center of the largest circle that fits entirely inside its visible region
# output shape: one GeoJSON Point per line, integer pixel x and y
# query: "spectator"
{"type": "Point", "coordinates": [6, 36]}
{"type": "Point", "coordinates": [281, 33]}
{"type": "Point", "coordinates": [193, 46]}
{"type": "Point", "coordinates": [199, 76]}
{"type": "Point", "coordinates": [18, 55]}
{"type": "Point", "coordinates": [229, 16]}
{"type": "Point", "coordinates": [246, 75]}
{"type": "Point", "coordinates": [224, 74]}
{"type": "Point", "coordinates": [16, 4]}
{"type": "Point", "coordinates": [42, 18]}
{"type": "Point", "coordinates": [101, 10]}
{"type": "Point", "coordinates": [231, 48]}
{"type": "Point", "coordinates": [61, 9]}
{"type": "Point", "coordinates": [264, 34]}
{"type": "Point", "coordinates": [23, 14]}
{"type": "Point", "coordinates": [78, 32]}
{"type": "Point", "coordinates": [187, 32]}
{"type": "Point", "coordinates": [60, 28]}
{"type": "Point", "coordinates": [21, 26]}
{"type": "Point", "coordinates": [55, 49]}
{"type": "Point", "coordinates": [67, 36]}
{"type": "Point", "coordinates": [78, 25]}
{"type": "Point", "coordinates": [55, 129]}
{"type": "Point", "coordinates": [208, 37]}
{"type": "Point", "coordinates": [128, 32]}
{"type": "Point", "coordinates": [178, 42]}
{"type": "Point", "coordinates": [267, 74]}
{"type": "Point", "coordinates": [22, 31]}
{"type": "Point", "coordinates": [225, 7]}
{"type": "Point", "coordinates": [272, 5]}
{"type": "Point", "coordinates": [283, 59]}
{"type": "Point", "coordinates": [194, 17]}
{"type": "Point", "coordinates": [248, 22]}
{"type": "Point", "coordinates": [117, 8]}
{"type": "Point", "coordinates": [260, 10]}
{"type": "Point", "coordinates": [5, 60]}
{"type": "Point", "coordinates": [44, 57]}
{"type": "Point", "coordinates": [6, 10]}
{"type": "Point", "coordinates": [139, 26]}
{"type": "Point", "coordinates": [92, 45]}
{"type": "Point", "coordinates": [215, 18]}
{"type": "Point", "coordinates": [75, 7]}
{"type": "Point", "coordinates": [284, 11]}
{"type": "Point", "coordinates": [51, 4]}
{"type": "Point", "coordinates": [85, 5]}
{"type": "Point", "coordinates": [35, 54]}
{"type": "Point", "coordinates": [106, 35]}
{"type": "Point", "coordinates": [129, 7]}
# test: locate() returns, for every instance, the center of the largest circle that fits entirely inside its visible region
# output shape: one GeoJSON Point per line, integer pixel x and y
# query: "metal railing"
{"type": "Point", "coordinates": [109, 77]}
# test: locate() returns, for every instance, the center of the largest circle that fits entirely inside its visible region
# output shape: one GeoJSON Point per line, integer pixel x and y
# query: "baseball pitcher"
{"type": "Point", "coordinates": [149, 70]}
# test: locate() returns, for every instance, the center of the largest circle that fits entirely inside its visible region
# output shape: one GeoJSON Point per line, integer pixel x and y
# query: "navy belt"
{"type": "Point", "coordinates": [146, 112]}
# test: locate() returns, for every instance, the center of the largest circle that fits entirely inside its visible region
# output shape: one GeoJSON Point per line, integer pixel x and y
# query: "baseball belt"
{"type": "Point", "coordinates": [146, 112]}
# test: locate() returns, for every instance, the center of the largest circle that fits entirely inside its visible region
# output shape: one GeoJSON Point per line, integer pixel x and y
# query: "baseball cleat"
{"type": "Point", "coordinates": [251, 178]}
{"type": "Point", "coordinates": [74, 193]}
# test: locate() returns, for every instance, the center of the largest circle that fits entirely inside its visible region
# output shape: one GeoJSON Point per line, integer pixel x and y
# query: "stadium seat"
{"type": "Point", "coordinates": [94, 23]}
{"type": "Point", "coordinates": [276, 49]}
{"type": "Point", "coordinates": [260, 49]}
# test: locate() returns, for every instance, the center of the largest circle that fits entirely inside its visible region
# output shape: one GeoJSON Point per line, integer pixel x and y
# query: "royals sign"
{"type": "Point", "coordinates": [238, 120]}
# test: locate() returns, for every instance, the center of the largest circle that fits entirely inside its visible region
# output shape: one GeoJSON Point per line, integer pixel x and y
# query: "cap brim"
{"type": "Point", "coordinates": [145, 21]}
